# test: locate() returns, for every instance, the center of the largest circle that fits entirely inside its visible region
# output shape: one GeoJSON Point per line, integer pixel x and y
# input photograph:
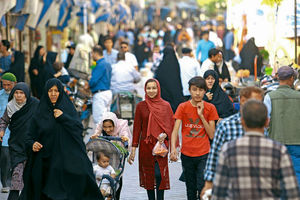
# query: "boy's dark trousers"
{"type": "Point", "coordinates": [193, 172]}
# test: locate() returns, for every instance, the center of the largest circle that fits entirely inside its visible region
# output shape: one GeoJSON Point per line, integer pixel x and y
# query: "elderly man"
{"type": "Point", "coordinates": [8, 82]}
{"type": "Point", "coordinates": [283, 108]}
{"type": "Point", "coordinates": [253, 166]}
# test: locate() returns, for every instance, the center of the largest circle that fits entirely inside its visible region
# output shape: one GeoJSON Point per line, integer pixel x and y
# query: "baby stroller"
{"type": "Point", "coordinates": [118, 153]}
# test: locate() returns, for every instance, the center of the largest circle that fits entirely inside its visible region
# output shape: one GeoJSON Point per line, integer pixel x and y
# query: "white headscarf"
{"type": "Point", "coordinates": [13, 107]}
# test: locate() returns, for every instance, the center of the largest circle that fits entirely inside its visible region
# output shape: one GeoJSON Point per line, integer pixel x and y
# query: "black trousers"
{"type": "Point", "coordinates": [193, 172]}
{"type": "Point", "coordinates": [5, 166]}
{"type": "Point", "coordinates": [159, 193]}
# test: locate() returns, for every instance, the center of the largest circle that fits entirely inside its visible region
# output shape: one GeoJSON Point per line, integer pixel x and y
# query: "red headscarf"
{"type": "Point", "coordinates": [161, 114]}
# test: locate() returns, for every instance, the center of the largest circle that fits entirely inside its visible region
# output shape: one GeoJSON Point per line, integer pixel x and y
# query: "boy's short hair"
{"type": "Point", "coordinates": [204, 33]}
{"type": "Point", "coordinates": [198, 81]}
{"type": "Point", "coordinates": [98, 49]}
{"type": "Point", "coordinates": [213, 52]}
{"type": "Point", "coordinates": [108, 38]}
{"type": "Point", "coordinates": [102, 153]}
{"type": "Point", "coordinates": [57, 66]}
{"type": "Point", "coordinates": [6, 43]}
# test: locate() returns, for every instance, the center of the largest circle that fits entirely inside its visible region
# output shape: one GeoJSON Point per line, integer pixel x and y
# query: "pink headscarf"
{"type": "Point", "coordinates": [120, 126]}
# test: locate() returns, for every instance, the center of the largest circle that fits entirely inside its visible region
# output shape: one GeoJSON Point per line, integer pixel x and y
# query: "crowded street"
{"type": "Point", "coordinates": [149, 100]}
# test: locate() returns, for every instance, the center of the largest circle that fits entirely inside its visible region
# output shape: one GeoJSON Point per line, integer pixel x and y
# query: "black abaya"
{"type": "Point", "coordinates": [168, 75]}
{"type": "Point", "coordinates": [61, 169]}
{"type": "Point", "coordinates": [220, 99]}
{"type": "Point", "coordinates": [36, 63]}
{"type": "Point", "coordinates": [17, 66]}
{"type": "Point", "coordinates": [248, 53]}
{"type": "Point", "coordinates": [49, 70]}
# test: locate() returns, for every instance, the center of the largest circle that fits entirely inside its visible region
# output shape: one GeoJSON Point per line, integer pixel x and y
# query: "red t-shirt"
{"type": "Point", "coordinates": [195, 141]}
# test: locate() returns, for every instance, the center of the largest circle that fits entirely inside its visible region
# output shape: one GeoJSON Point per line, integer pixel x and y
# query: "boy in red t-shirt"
{"type": "Point", "coordinates": [198, 126]}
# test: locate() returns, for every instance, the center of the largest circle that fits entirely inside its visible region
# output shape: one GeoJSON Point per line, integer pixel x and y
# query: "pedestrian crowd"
{"type": "Point", "coordinates": [226, 153]}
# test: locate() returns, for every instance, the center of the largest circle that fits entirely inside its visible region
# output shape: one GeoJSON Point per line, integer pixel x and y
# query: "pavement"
{"type": "Point", "coordinates": [131, 189]}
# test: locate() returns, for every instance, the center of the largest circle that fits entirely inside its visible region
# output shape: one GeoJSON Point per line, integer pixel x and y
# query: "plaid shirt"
{"type": "Point", "coordinates": [228, 129]}
{"type": "Point", "coordinates": [255, 167]}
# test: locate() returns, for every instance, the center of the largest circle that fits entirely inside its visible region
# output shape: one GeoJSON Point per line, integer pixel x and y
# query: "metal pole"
{"type": "Point", "coordinates": [85, 18]}
{"type": "Point", "coordinates": [7, 27]}
{"type": "Point", "coordinates": [296, 36]}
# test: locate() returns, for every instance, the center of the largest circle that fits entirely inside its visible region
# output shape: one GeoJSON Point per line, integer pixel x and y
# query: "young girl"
{"type": "Point", "coordinates": [110, 125]}
{"type": "Point", "coordinates": [103, 168]}
{"type": "Point", "coordinates": [153, 122]}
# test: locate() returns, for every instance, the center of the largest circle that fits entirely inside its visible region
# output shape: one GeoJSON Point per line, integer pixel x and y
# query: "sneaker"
{"type": "Point", "coordinates": [5, 190]}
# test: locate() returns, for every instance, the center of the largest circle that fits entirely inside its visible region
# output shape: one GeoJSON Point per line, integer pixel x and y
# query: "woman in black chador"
{"type": "Point", "coordinates": [58, 167]}
{"type": "Point", "coordinates": [168, 75]}
{"type": "Point", "coordinates": [35, 70]}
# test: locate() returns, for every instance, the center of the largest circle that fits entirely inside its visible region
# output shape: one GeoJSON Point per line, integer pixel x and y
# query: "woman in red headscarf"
{"type": "Point", "coordinates": [153, 122]}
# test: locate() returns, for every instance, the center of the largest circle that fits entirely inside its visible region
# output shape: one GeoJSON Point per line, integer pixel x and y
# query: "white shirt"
{"type": "Point", "coordinates": [206, 65]}
{"type": "Point", "coordinates": [123, 77]}
{"type": "Point", "coordinates": [64, 71]}
{"type": "Point", "coordinates": [130, 58]}
{"type": "Point", "coordinates": [100, 171]}
{"type": "Point", "coordinates": [189, 68]}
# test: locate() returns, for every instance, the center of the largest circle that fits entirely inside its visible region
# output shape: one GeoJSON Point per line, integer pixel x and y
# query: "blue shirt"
{"type": "Point", "coordinates": [101, 76]}
{"type": "Point", "coordinates": [228, 40]}
{"type": "Point", "coordinates": [5, 62]}
{"type": "Point", "coordinates": [112, 57]}
{"type": "Point", "coordinates": [204, 47]}
{"type": "Point", "coordinates": [3, 102]}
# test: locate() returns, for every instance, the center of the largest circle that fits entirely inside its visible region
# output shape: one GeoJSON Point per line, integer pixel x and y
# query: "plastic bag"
{"type": "Point", "coordinates": [160, 150]}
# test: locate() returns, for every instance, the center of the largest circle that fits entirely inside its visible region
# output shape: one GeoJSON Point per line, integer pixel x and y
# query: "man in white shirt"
{"type": "Point", "coordinates": [124, 75]}
{"type": "Point", "coordinates": [214, 56]}
{"type": "Point", "coordinates": [129, 57]}
{"type": "Point", "coordinates": [189, 68]}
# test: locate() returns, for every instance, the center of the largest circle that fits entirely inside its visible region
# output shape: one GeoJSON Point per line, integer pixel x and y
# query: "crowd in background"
{"type": "Point", "coordinates": [190, 66]}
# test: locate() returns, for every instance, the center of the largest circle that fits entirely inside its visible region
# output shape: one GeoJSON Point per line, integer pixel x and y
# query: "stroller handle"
{"type": "Point", "coordinates": [116, 139]}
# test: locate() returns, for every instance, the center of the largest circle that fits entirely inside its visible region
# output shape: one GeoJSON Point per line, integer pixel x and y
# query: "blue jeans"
{"type": "Point", "coordinates": [193, 172]}
{"type": "Point", "coordinates": [294, 151]}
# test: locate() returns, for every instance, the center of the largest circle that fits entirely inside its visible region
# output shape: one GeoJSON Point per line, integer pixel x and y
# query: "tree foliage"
{"type": "Point", "coordinates": [271, 2]}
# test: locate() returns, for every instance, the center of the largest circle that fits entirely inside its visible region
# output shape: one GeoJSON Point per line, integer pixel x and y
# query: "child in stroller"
{"type": "Point", "coordinates": [109, 129]}
{"type": "Point", "coordinates": [104, 168]}
{"type": "Point", "coordinates": [117, 154]}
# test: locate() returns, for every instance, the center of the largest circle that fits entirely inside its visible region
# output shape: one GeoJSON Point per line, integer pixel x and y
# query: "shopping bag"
{"type": "Point", "coordinates": [160, 150]}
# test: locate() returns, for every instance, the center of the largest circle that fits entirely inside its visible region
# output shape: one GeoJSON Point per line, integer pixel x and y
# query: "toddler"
{"type": "Point", "coordinates": [103, 168]}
